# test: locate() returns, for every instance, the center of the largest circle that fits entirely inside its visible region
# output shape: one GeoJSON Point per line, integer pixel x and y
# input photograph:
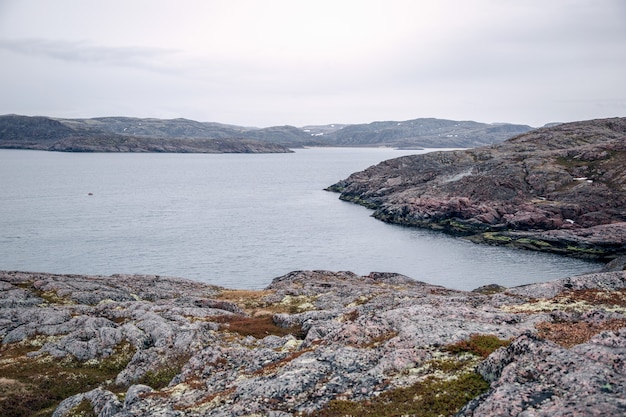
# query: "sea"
{"type": "Point", "coordinates": [233, 220]}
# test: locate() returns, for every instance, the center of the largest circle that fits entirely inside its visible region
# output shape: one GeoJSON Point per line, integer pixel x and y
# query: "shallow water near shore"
{"type": "Point", "coordinates": [234, 220]}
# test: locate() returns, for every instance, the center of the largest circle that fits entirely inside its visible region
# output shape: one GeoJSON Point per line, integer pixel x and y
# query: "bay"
{"type": "Point", "coordinates": [235, 220]}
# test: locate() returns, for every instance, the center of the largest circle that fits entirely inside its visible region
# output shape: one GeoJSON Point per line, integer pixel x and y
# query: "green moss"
{"type": "Point", "coordinates": [478, 344]}
{"type": "Point", "coordinates": [456, 226]}
{"type": "Point", "coordinates": [582, 250]}
{"type": "Point", "coordinates": [430, 398]}
{"type": "Point", "coordinates": [533, 242]}
{"type": "Point", "coordinates": [496, 237]}
{"type": "Point", "coordinates": [360, 201]}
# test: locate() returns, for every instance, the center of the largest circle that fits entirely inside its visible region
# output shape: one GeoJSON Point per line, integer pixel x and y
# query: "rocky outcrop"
{"type": "Point", "coordinates": [560, 189]}
{"type": "Point", "coordinates": [312, 343]}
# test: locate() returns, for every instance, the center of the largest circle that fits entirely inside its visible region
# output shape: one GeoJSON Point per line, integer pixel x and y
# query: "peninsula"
{"type": "Point", "coordinates": [560, 189]}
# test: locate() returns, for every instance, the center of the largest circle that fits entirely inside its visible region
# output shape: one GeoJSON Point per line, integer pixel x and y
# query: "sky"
{"type": "Point", "coordinates": [306, 62]}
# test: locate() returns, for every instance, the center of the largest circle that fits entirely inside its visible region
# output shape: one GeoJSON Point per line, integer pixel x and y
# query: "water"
{"type": "Point", "coordinates": [233, 220]}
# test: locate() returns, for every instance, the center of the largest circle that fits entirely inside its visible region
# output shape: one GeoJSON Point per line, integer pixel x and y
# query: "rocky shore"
{"type": "Point", "coordinates": [560, 189]}
{"type": "Point", "coordinates": [313, 343]}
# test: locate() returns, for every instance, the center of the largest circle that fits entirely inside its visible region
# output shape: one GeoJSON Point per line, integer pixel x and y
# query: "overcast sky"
{"type": "Point", "coordinates": [274, 62]}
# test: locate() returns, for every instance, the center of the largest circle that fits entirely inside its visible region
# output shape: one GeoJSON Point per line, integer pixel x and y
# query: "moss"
{"type": "Point", "coordinates": [580, 250]}
{"type": "Point", "coordinates": [42, 382]}
{"type": "Point", "coordinates": [457, 226]}
{"type": "Point", "coordinates": [429, 398]}
{"type": "Point", "coordinates": [360, 201]}
{"type": "Point", "coordinates": [496, 237]}
{"type": "Point", "coordinates": [478, 344]}
{"type": "Point", "coordinates": [533, 242]}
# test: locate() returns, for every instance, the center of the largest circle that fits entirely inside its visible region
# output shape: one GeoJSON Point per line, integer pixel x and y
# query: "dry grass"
{"type": "Point", "coordinates": [568, 334]}
{"type": "Point", "coordinates": [257, 326]}
{"type": "Point", "coordinates": [613, 298]}
{"type": "Point", "coordinates": [575, 301]}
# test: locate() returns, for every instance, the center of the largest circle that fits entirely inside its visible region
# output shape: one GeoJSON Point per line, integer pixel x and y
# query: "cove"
{"type": "Point", "coordinates": [234, 220]}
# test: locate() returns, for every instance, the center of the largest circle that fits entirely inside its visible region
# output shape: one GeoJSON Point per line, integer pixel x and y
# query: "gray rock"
{"type": "Point", "coordinates": [360, 336]}
{"type": "Point", "coordinates": [104, 403]}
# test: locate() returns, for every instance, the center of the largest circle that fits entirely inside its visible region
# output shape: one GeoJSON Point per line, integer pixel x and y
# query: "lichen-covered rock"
{"type": "Point", "coordinates": [536, 377]}
{"type": "Point", "coordinates": [313, 339]}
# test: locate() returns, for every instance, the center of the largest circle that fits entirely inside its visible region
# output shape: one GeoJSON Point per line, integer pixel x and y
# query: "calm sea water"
{"type": "Point", "coordinates": [231, 220]}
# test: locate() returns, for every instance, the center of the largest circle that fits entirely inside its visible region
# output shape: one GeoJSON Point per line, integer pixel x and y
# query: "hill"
{"type": "Point", "coordinates": [427, 133]}
{"type": "Point", "coordinates": [42, 132]}
{"type": "Point", "coordinates": [559, 189]}
{"type": "Point", "coordinates": [102, 135]}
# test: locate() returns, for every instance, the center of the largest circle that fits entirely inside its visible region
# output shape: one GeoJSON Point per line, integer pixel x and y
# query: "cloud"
{"type": "Point", "coordinates": [296, 62]}
{"type": "Point", "coordinates": [147, 58]}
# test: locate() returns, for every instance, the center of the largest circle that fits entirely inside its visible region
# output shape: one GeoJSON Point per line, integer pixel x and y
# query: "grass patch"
{"type": "Point", "coordinates": [37, 385]}
{"type": "Point", "coordinates": [257, 326]}
{"type": "Point", "coordinates": [478, 344]}
{"type": "Point", "coordinates": [430, 398]}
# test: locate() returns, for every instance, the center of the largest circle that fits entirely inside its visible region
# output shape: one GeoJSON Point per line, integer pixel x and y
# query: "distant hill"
{"type": "Point", "coordinates": [111, 134]}
{"type": "Point", "coordinates": [103, 135]}
{"type": "Point", "coordinates": [428, 133]}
